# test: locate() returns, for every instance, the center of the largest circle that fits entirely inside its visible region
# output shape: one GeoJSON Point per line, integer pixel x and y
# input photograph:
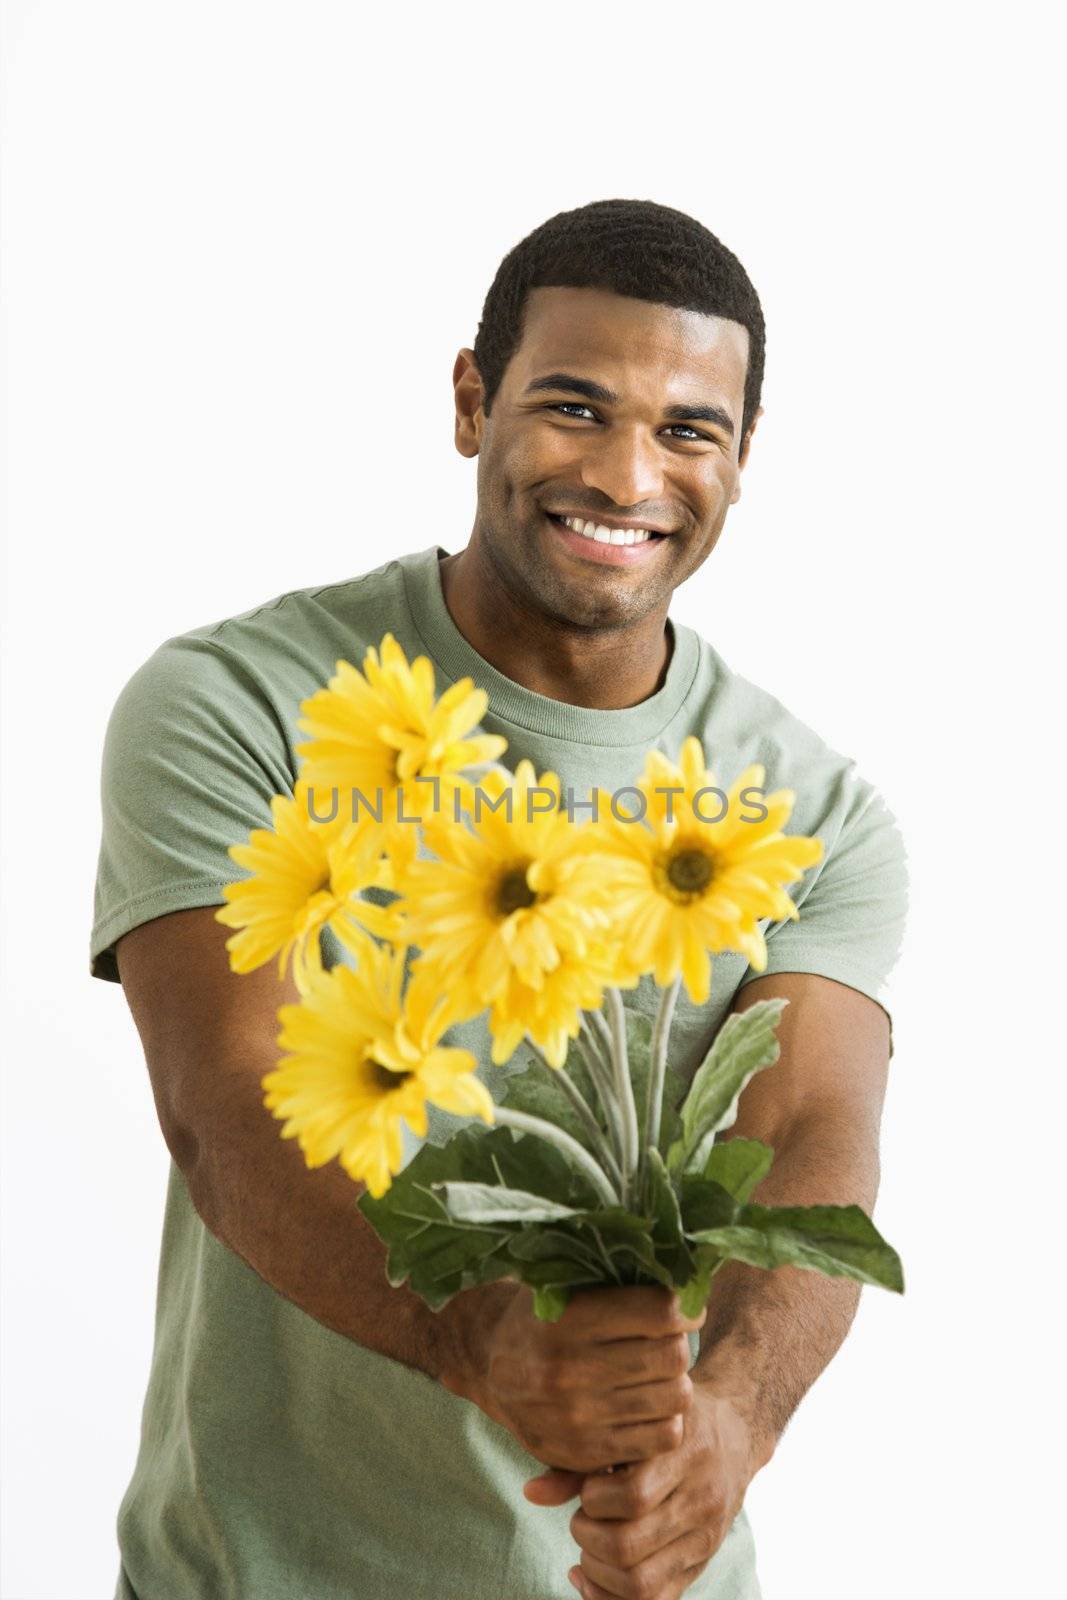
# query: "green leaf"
{"type": "Point", "coordinates": [562, 1274]}
{"type": "Point", "coordinates": [544, 1244]}
{"type": "Point", "coordinates": [440, 1255]}
{"type": "Point", "coordinates": [743, 1046]}
{"type": "Point", "coordinates": [740, 1165]}
{"type": "Point", "coordinates": [693, 1295]}
{"type": "Point", "coordinates": [458, 1265]}
{"type": "Point", "coordinates": [638, 1039]}
{"type": "Point", "coordinates": [674, 1092]}
{"type": "Point", "coordinates": [621, 1243]}
{"type": "Point", "coordinates": [667, 1234]}
{"type": "Point", "coordinates": [537, 1092]}
{"type": "Point", "coordinates": [840, 1241]}
{"type": "Point", "coordinates": [705, 1204]}
{"type": "Point", "coordinates": [549, 1304]}
{"type": "Point", "coordinates": [490, 1203]}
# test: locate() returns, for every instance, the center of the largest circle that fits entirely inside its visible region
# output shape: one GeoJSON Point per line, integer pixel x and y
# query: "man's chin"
{"type": "Point", "coordinates": [592, 606]}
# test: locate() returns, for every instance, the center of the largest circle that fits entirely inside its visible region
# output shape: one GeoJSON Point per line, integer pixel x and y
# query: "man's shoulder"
{"type": "Point", "coordinates": [741, 723]}
{"type": "Point", "coordinates": [345, 609]}
{"type": "Point", "coordinates": [284, 647]}
{"type": "Point", "coordinates": [743, 715]}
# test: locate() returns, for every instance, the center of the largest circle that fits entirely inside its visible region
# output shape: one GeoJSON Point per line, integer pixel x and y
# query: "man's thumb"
{"type": "Point", "coordinates": [554, 1487]}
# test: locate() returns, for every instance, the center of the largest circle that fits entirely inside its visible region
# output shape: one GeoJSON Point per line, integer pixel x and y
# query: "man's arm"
{"type": "Point", "coordinates": [769, 1334]}
{"type": "Point", "coordinates": [209, 1036]}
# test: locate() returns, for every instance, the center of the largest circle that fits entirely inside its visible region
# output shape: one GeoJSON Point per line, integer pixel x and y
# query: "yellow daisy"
{"type": "Point", "coordinates": [510, 916]}
{"type": "Point", "coordinates": [551, 1015]}
{"type": "Point", "coordinates": [682, 886]}
{"type": "Point", "coordinates": [380, 730]}
{"type": "Point", "coordinates": [306, 875]}
{"type": "Point", "coordinates": [362, 1061]}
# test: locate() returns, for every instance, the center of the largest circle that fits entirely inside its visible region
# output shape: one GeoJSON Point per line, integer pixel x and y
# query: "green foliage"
{"type": "Point", "coordinates": [840, 1241]}
{"type": "Point", "coordinates": [536, 1090]}
{"type": "Point", "coordinates": [743, 1046]}
{"type": "Point", "coordinates": [739, 1165]}
{"type": "Point", "coordinates": [493, 1204]}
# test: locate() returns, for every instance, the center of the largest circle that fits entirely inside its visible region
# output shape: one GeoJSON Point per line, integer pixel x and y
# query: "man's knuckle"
{"type": "Point", "coordinates": [626, 1548]}
{"type": "Point", "coordinates": [681, 1353]}
{"type": "Point", "coordinates": [645, 1584]}
{"type": "Point", "coordinates": [705, 1542]}
{"type": "Point", "coordinates": [635, 1501]}
{"type": "Point", "coordinates": [645, 1501]}
{"type": "Point", "coordinates": [671, 1432]}
{"type": "Point", "coordinates": [715, 1509]}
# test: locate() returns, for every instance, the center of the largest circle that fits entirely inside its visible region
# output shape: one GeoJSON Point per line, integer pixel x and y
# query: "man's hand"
{"type": "Point", "coordinates": [648, 1530]}
{"type": "Point", "coordinates": [607, 1383]}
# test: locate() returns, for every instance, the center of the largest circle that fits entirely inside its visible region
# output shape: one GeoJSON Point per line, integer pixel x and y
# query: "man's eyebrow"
{"type": "Point", "coordinates": [567, 382]}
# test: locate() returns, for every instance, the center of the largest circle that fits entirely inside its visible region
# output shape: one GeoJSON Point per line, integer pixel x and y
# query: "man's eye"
{"type": "Point", "coordinates": [566, 407]}
{"type": "Point", "coordinates": [569, 405]}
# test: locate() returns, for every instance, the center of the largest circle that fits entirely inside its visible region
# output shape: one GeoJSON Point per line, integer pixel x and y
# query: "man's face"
{"type": "Point", "coordinates": [656, 444]}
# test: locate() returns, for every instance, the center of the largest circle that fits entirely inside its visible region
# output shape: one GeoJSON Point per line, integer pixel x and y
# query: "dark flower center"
{"type": "Point", "coordinates": [689, 871]}
{"type": "Point", "coordinates": [513, 892]}
{"type": "Point", "coordinates": [384, 1077]}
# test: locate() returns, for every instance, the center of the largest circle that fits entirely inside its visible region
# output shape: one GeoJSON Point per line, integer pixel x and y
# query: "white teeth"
{"type": "Point", "coordinates": [602, 535]}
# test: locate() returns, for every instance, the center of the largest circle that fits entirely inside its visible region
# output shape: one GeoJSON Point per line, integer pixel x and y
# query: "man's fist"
{"type": "Point", "coordinates": [607, 1383]}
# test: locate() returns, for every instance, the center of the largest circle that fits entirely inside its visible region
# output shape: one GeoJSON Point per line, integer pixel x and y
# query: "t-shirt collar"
{"type": "Point", "coordinates": [538, 713]}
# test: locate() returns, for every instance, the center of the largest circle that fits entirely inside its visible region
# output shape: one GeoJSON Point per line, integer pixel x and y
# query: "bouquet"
{"type": "Point", "coordinates": [461, 891]}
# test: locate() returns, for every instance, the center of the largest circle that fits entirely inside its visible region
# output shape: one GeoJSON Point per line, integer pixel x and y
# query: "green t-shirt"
{"type": "Point", "coordinates": [278, 1459]}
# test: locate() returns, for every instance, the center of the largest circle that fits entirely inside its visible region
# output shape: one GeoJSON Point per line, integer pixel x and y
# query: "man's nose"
{"type": "Point", "coordinates": [624, 464]}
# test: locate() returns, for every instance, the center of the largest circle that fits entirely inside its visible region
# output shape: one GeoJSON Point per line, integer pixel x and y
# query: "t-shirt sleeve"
{"type": "Point", "coordinates": [193, 753]}
{"type": "Point", "coordinates": [853, 905]}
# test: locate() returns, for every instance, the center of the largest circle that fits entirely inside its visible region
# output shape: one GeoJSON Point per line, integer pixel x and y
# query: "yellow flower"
{"type": "Point", "coordinates": [305, 876]}
{"type": "Point", "coordinates": [551, 1014]}
{"type": "Point", "coordinates": [683, 886]}
{"type": "Point", "coordinates": [510, 916]}
{"type": "Point", "coordinates": [362, 1061]}
{"type": "Point", "coordinates": [378, 731]}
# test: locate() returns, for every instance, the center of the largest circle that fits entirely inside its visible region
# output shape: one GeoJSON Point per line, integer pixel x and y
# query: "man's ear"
{"type": "Point", "coordinates": [742, 459]}
{"type": "Point", "coordinates": [470, 418]}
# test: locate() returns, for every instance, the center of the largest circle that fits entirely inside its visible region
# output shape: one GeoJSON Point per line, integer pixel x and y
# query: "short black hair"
{"type": "Point", "coordinates": [630, 247]}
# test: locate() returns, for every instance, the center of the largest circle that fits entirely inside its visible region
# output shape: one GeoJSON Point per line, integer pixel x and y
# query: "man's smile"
{"type": "Point", "coordinates": [606, 543]}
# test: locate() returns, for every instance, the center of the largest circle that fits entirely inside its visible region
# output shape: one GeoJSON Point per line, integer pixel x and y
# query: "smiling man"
{"type": "Point", "coordinates": [615, 447]}
{"type": "Point", "coordinates": [309, 1430]}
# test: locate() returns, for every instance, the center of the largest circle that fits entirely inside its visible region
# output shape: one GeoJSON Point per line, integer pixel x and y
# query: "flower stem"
{"type": "Point", "coordinates": [624, 1088]}
{"type": "Point", "coordinates": [581, 1106]}
{"type": "Point", "coordinates": [599, 1026]}
{"type": "Point", "coordinates": [562, 1140]}
{"type": "Point", "coordinates": [657, 1070]}
{"type": "Point", "coordinates": [600, 1072]}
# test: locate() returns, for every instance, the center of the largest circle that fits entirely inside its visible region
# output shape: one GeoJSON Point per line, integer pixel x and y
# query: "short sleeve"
{"type": "Point", "coordinates": [193, 753]}
{"type": "Point", "coordinates": [853, 906]}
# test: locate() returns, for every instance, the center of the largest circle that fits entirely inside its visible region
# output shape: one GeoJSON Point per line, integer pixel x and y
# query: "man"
{"type": "Point", "coordinates": [309, 1432]}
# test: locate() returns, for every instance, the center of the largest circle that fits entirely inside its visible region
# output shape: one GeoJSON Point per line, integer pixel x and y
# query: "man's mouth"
{"type": "Point", "coordinates": [598, 541]}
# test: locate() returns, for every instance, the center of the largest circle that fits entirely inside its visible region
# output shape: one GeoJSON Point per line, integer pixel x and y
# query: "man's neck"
{"type": "Point", "coordinates": [605, 670]}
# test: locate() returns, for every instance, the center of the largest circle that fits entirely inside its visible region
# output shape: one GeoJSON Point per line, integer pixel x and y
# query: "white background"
{"type": "Point", "coordinates": [242, 245]}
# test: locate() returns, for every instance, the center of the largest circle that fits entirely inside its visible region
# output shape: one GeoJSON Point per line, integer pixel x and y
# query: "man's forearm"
{"type": "Point", "coordinates": [302, 1231]}
{"type": "Point", "coordinates": [769, 1334]}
